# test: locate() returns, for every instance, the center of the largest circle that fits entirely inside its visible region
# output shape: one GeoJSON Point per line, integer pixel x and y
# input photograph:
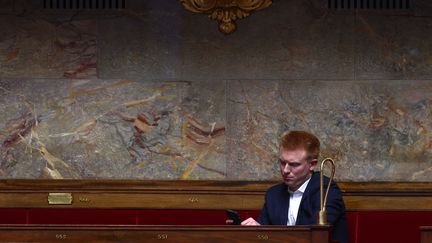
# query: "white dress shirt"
{"type": "Point", "coordinates": [294, 203]}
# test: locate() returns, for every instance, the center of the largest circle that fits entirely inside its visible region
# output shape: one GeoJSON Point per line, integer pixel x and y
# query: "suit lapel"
{"type": "Point", "coordinates": [283, 216]}
{"type": "Point", "coordinates": [305, 210]}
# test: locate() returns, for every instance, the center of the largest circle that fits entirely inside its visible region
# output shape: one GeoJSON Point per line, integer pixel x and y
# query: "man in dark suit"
{"type": "Point", "coordinates": [297, 200]}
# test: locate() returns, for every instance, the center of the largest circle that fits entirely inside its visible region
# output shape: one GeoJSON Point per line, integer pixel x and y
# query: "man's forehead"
{"type": "Point", "coordinates": [292, 155]}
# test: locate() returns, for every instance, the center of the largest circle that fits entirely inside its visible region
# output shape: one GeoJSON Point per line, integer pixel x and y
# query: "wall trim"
{"type": "Point", "coordinates": [181, 194]}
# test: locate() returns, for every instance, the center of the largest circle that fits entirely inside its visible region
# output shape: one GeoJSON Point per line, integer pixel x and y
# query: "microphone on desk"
{"type": "Point", "coordinates": [322, 215]}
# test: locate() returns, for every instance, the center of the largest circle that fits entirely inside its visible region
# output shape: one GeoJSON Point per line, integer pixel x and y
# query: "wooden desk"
{"type": "Point", "coordinates": [426, 234]}
{"type": "Point", "coordinates": [62, 233]}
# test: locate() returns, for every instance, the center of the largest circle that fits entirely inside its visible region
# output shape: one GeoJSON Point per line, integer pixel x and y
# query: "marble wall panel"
{"type": "Point", "coordinates": [375, 131]}
{"type": "Point", "coordinates": [33, 45]}
{"type": "Point", "coordinates": [290, 39]}
{"type": "Point", "coordinates": [393, 47]}
{"type": "Point", "coordinates": [6, 6]}
{"type": "Point", "coordinates": [423, 8]}
{"type": "Point", "coordinates": [112, 129]}
{"type": "Point", "coordinates": [143, 44]}
{"type": "Point", "coordinates": [176, 130]}
{"type": "Point", "coordinates": [106, 94]}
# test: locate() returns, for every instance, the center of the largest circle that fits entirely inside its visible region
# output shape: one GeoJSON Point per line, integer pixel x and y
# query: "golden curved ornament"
{"type": "Point", "coordinates": [322, 214]}
{"type": "Point", "coordinates": [226, 11]}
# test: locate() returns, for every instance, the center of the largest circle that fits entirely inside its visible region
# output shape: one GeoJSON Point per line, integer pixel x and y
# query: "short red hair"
{"type": "Point", "coordinates": [294, 140]}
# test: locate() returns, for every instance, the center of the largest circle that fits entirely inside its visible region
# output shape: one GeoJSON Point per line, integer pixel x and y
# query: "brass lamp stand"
{"type": "Point", "coordinates": [322, 215]}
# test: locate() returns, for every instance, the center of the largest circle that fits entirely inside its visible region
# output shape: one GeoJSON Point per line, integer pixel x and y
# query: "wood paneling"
{"type": "Point", "coordinates": [426, 234]}
{"type": "Point", "coordinates": [52, 233]}
{"type": "Point", "coordinates": [200, 194]}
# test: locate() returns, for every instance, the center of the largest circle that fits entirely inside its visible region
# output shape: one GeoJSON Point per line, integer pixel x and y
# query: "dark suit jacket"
{"type": "Point", "coordinates": [275, 209]}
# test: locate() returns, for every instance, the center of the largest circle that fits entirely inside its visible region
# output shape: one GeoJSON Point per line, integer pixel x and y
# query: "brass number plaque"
{"type": "Point", "coordinates": [59, 198]}
{"type": "Point", "coordinates": [262, 237]}
{"type": "Point", "coordinates": [193, 199]}
{"type": "Point", "coordinates": [84, 199]}
{"type": "Point", "coordinates": [61, 236]}
{"type": "Point", "coordinates": [162, 236]}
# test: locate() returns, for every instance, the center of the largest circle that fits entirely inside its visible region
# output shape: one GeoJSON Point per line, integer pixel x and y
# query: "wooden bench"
{"type": "Point", "coordinates": [392, 211]}
{"type": "Point", "coordinates": [117, 233]}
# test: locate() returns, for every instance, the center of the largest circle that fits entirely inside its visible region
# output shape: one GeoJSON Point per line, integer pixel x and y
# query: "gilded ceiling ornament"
{"type": "Point", "coordinates": [225, 11]}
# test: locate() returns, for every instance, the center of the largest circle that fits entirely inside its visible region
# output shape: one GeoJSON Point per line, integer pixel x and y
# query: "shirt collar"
{"type": "Point", "coordinates": [302, 188]}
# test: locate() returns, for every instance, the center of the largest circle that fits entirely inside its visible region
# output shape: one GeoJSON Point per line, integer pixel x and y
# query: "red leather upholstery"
{"type": "Point", "coordinates": [390, 226]}
{"type": "Point", "coordinates": [116, 216]}
{"type": "Point", "coordinates": [364, 226]}
{"type": "Point", "coordinates": [13, 216]}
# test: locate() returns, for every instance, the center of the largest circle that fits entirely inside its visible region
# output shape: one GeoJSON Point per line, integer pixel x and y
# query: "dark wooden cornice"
{"type": "Point", "coordinates": [182, 194]}
{"type": "Point", "coordinates": [134, 185]}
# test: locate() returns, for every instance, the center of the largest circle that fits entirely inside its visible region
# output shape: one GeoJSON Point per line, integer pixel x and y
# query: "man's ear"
{"type": "Point", "coordinates": [313, 163]}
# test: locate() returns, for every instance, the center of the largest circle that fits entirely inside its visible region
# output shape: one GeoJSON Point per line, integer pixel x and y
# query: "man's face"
{"type": "Point", "coordinates": [294, 167]}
